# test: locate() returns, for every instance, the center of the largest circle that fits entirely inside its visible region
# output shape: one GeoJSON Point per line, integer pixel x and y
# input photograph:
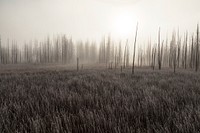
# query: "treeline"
{"type": "Point", "coordinates": [176, 52]}
{"type": "Point", "coordinates": [113, 54]}
{"type": "Point", "coordinates": [179, 52]}
{"type": "Point", "coordinates": [58, 50]}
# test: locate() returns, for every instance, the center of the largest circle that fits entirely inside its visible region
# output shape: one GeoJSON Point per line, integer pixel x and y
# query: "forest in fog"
{"type": "Point", "coordinates": [176, 52]}
{"type": "Point", "coordinates": [99, 66]}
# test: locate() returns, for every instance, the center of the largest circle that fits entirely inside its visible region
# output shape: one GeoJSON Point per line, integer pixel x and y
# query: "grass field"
{"type": "Point", "coordinates": [98, 101]}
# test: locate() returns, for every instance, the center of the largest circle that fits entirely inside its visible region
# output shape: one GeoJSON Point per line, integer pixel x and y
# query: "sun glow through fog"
{"type": "Point", "coordinates": [124, 24]}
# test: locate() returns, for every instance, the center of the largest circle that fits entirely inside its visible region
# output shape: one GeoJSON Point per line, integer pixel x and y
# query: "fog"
{"type": "Point", "coordinates": [25, 20]}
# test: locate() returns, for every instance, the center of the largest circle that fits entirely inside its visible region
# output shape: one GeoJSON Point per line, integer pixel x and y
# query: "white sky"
{"type": "Point", "coordinates": [91, 19]}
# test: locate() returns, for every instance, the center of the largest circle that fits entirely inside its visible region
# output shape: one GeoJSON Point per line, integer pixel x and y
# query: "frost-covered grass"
{"type": "Point", "coordinates": [99, 101]}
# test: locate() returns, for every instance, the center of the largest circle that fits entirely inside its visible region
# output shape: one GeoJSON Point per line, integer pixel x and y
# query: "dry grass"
{"type": "Point", "coordinates": [99, 101]}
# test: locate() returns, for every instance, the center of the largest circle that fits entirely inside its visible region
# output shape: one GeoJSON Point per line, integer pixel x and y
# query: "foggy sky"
{"type": "Point", "coordinates": [91, 19]}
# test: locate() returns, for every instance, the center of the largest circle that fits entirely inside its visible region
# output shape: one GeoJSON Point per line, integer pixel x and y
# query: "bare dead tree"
{"type": "Point", "coordinates": [0, 51]}
{"type": "Point", "coordinates": [108, 47]}
{"type": "Point", "coordinates": [77, 64]}
{"type": "Point", "coordinates": [178, 49]}
{"type": "Point", "coordinates": [119, 54]}
{"type": "Point", "coordinates": [174, 59]}
{"type": "Point", "coordinates": [141, 58]}
{"type": "Point", "coordinates": [93, 52]}
{"type": "Point", "coordinates": [197, 50]}
{"type": "Point", "coordinates": [115, 57]}
{"type": "Point", "coordinates": [149, 53]}
{"type": "Point", "coordinates": [159, 59]}
{"type": "Point", "coordinates": [182, 56]}
{"type": "Point", "coordinates": [102, 51]}
{"type": "Point", "coordinates": [138, 57]}
{"type": "Point", "coordinates": [186, 40]}
{"type": "Point", "coordinates": [56, 50]}
{"type": "Point", "coordinates": [170, 54]}
{"type": "Point", "coordinates": [174, 47]}
{"type": "Point", "coordinates": [166, 54]}
{"type": "Point", "coordinates": [153, 58]}
{"type": "Point", "coordinates": [125, 53]}
{"type": "Point", "coordinates": [127, 56]}
{"type": "Point", "coordinates": [8, 53]}
{"type": "Point", "coordinates": [133, 66]}
{"type": "Point", "coordinates": [160, 51]}
{"type": "Point", "coordinates": [192, 53]}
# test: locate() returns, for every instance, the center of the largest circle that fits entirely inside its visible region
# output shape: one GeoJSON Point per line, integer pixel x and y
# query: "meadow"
{"type": "Point", "coordinates": [98, 100]}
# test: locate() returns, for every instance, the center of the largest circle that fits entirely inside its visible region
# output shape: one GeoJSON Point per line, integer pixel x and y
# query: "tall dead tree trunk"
{"type": "Point", "coordinates": [178, 49]}
{"type": "Point", "coordinates": [119, 54]}
{"type": "Point", "coordinates": [8, 53]}
{"type": "Point", "coordinates": [197, 50]}
{"type": "Point", "coordinates": [133, 66]}
{"type": "Point", "coordinates": [141, 58]}
{"type": "Point", "coordinates": [159, 53]}
{"type": "Point", "coordinates": [127, 56]}
{"type": "Point", "coordinates": [149, 53]}
{"type": "Point", "coordinates": [192, 53]}
{"type": "Point", "coordinates": [77, 64]}
{"type": "Point", "coordinates": [108, 47]}
{"type": "Point", "coordinates": [115, 57]}
{"type": "Point", "coordinates": [183, 52]}
{"type": "Point", "coordinates": [153, 58]}
{"type": "Point", "coordinates": [186, 40]}
{"type": "Point", "coordinates": [174, 59]}
{"type": "Point", "coordinates": [125, 52]}
{"type": "Point", "coordinates": [0, 51]}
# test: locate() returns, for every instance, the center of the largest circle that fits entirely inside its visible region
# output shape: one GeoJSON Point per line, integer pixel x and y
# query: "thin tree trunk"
{"type": "Point", "coordinates": [159, 56]}
{"type": "Point", "coordinates": [77, 64]}
{"type": "Point", "coordinates": [133, 67]}
{"type": "Point", "coordinates": [125, 51]}
{"type": "Point", "coordinates": [197, 50]}
{"type": "Point", "coordinates": [186, 50]}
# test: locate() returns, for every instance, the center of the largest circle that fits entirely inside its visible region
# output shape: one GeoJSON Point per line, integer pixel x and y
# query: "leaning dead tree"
{"type": "Point", "coordinates": [133, 66]}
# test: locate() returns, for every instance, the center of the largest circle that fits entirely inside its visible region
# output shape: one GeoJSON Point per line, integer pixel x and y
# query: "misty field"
{"type": "Point", "coordinates": [99, 101]}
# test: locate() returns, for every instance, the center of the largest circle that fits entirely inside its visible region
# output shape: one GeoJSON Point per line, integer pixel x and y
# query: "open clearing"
{"type": "Point", "coordinates": [98, 101]}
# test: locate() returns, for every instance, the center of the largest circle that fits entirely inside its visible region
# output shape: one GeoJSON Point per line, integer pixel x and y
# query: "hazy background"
{"type": "Point", "coordinates": [91, 19]}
